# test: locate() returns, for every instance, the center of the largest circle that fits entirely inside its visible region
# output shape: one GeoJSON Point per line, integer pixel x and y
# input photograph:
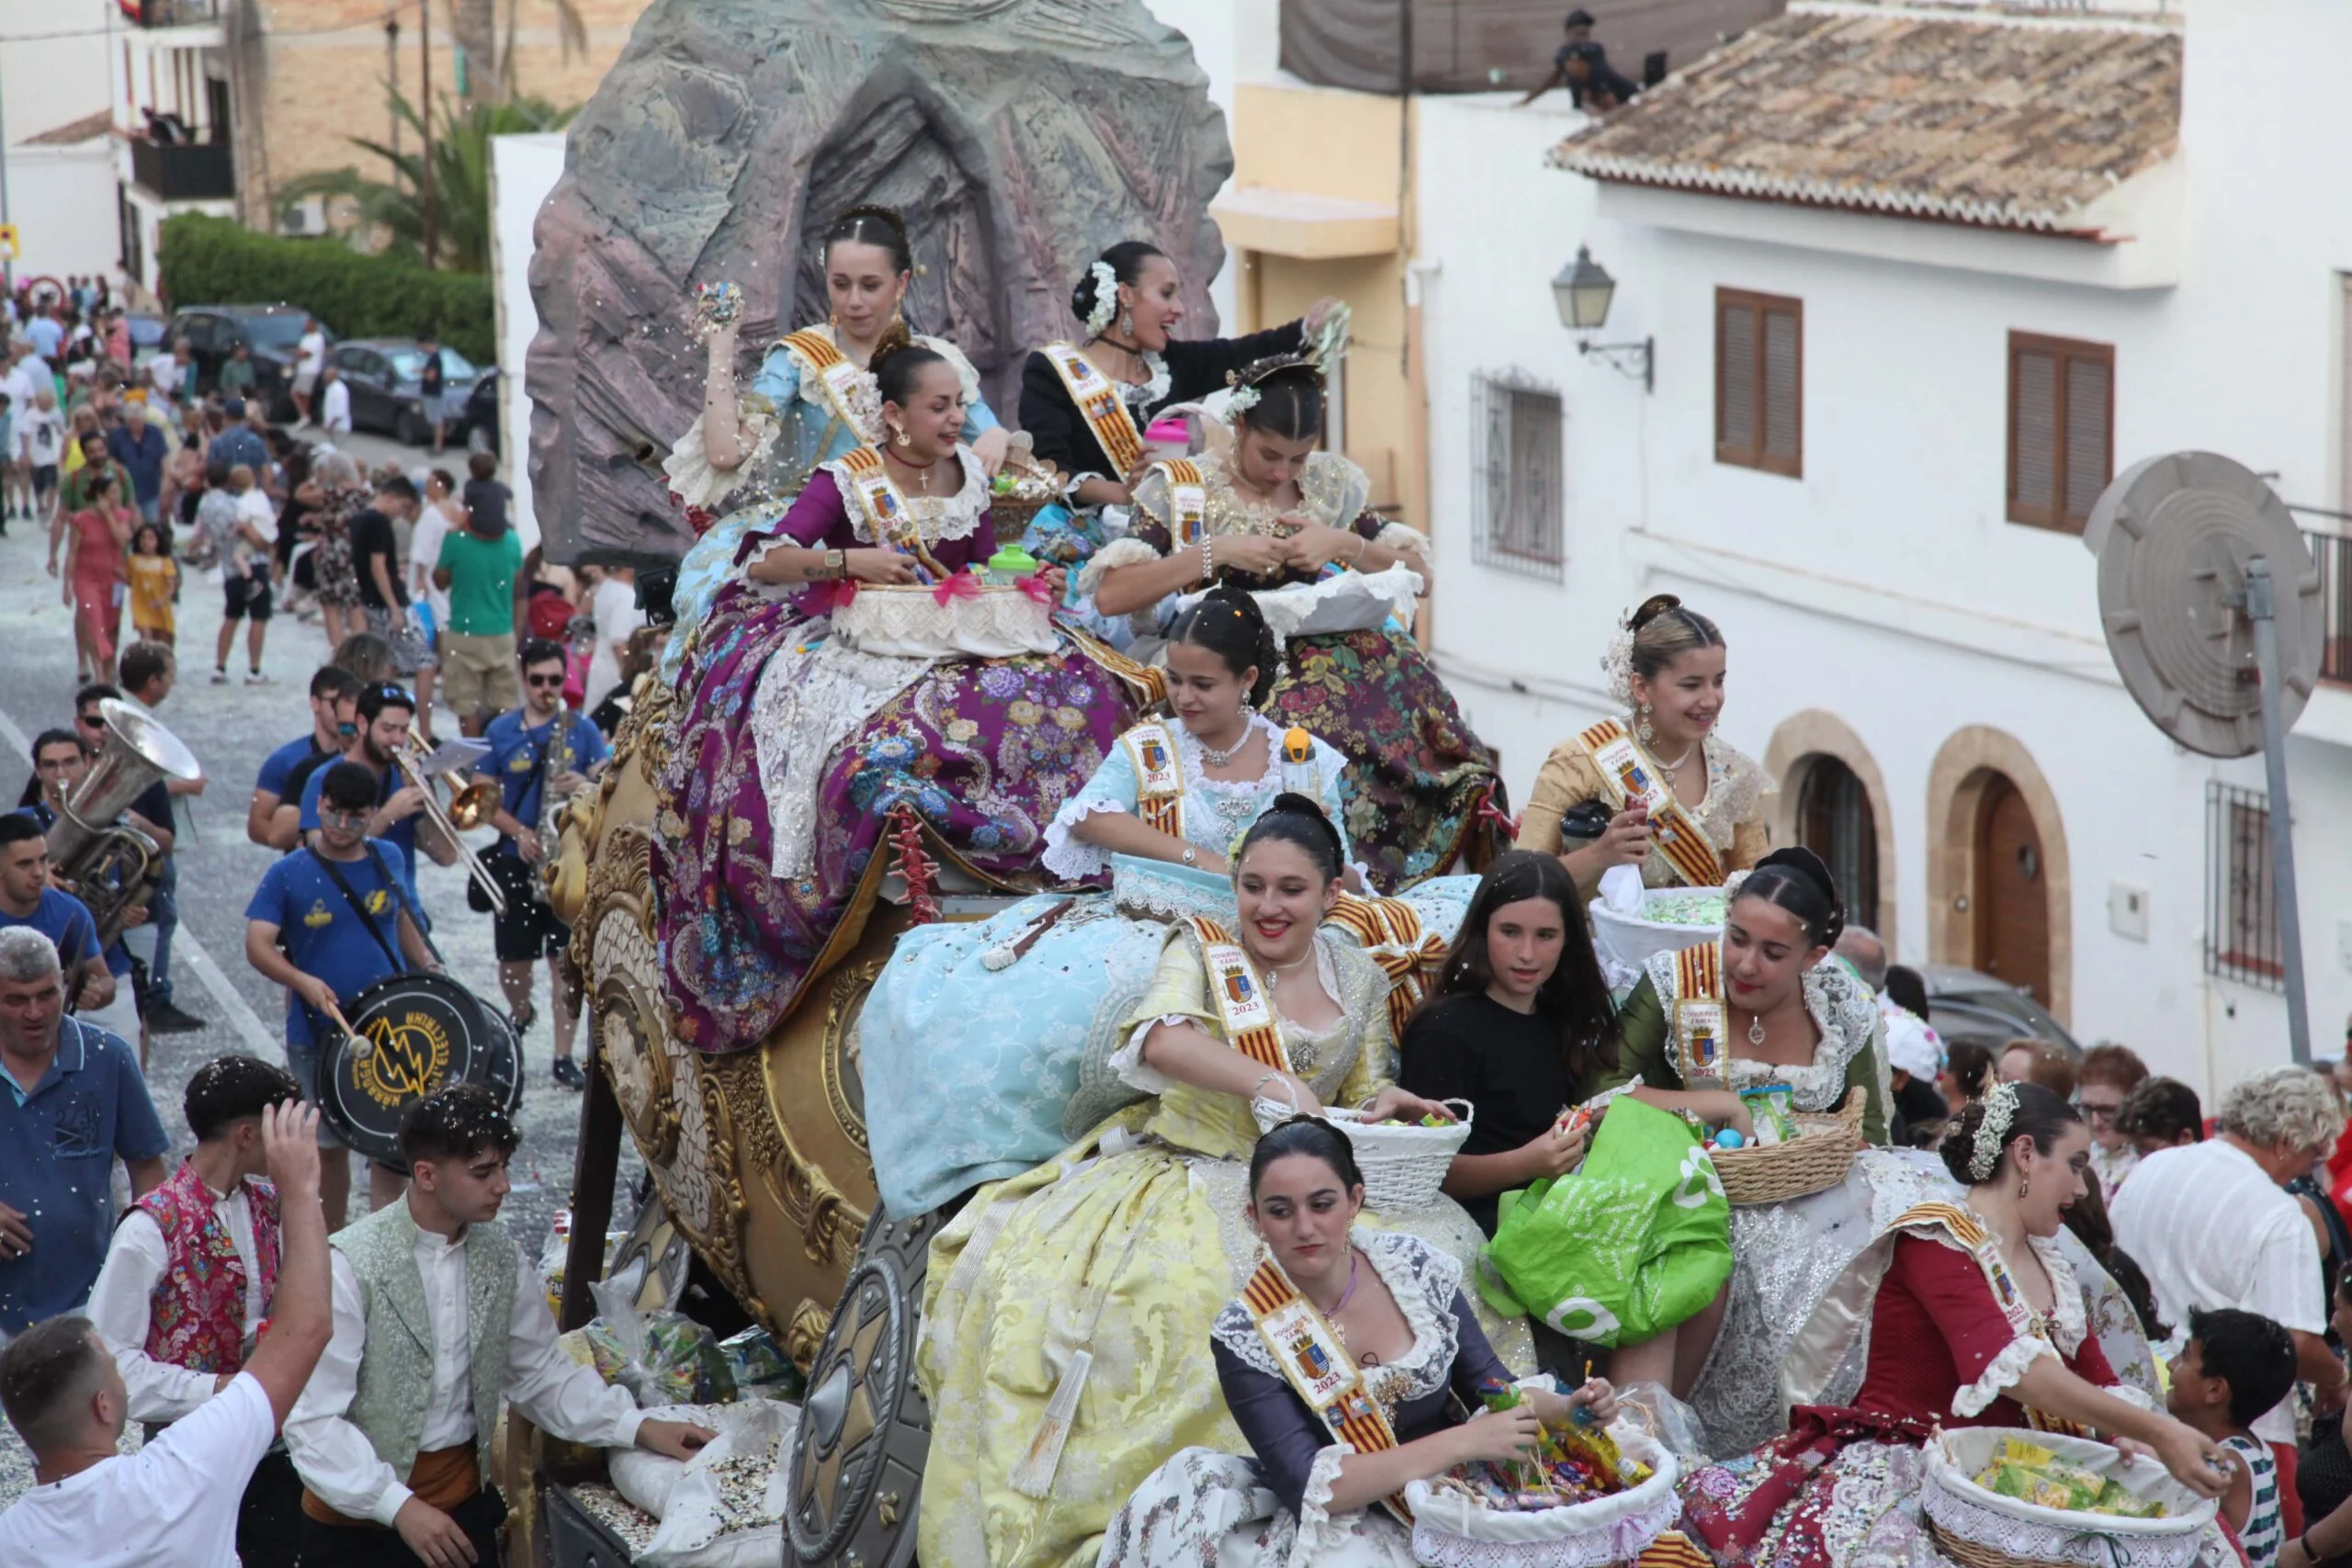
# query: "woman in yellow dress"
{"type": "Point", "coordinates": [1065, 1309]}
{"type": "Point", "coordinates": [1678, 802]}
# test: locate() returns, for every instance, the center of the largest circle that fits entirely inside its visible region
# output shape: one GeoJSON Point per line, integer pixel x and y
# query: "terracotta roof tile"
{"type": "Point", "coordinates": [1976, 118]}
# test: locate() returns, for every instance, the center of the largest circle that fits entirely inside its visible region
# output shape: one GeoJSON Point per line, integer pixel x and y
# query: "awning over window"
{"type": "Point", "coordinates": [1303, 225]}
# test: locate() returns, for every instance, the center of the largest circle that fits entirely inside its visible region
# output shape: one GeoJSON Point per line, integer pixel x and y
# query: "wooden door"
{"type": "Point", "coordinates": [2011, 897]}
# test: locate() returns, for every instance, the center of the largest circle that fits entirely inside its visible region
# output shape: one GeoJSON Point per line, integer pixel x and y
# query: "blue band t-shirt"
{"type": "Point", "coordinates": [322, 933]}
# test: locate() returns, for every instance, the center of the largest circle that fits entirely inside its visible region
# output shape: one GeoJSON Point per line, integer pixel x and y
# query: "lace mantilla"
{"type": "Point", "coordinates": [1842, 1009]}
{"type": "Point", "coordinates": [1217, 811]}
{"type": "Point", "coordinates": [1424, 1282]}
{"type": "Point", "coordinates": [936, 517]}
{"type": "Point", "coordinates": [1333, 491]}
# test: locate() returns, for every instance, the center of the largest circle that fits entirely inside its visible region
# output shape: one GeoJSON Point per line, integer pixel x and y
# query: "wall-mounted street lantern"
{"type": "Point", "coordinates": [1583, 290]}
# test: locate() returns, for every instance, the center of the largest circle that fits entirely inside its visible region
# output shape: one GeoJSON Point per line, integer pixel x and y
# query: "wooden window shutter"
{"type": "Point", "coordinates": [1760, 381]}
{"type": "Point", "coordinates": [2061, 430]}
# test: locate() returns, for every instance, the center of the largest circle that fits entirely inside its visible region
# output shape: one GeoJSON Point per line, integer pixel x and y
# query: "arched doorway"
{"type": "Point", "coordinates": [1835, 821]}
{"type": "Point", "coordinates": [2011, 897]}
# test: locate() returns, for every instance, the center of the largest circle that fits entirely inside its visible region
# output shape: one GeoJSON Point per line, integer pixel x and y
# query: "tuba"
{"type": "Point", "coordinates": [108, 863]}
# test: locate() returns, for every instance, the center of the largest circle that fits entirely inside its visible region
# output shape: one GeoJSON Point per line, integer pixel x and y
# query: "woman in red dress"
{"type": "Point", "coordinates": [1975, 1319]}
{"type": "Point", "coordinates": [95, 572]}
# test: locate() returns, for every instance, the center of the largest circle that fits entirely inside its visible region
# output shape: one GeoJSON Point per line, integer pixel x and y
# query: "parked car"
{"type": "Point", "coordinates": [482, 414]}
{"type": "Point", "coordinates": [272, 333]}
{"type": "Point", "coordinates": [1965, 1004]}
{"type": "Point", "coordinates": [382, 375]}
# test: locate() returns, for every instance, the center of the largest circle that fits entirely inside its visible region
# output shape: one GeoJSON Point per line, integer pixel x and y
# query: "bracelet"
{"type": "Point", "coordinates": [1262, 1083]}
{"type": "Point", "coordinates": [1208, 558]}
{"type": "Point", "coordinates": [1362, 545]}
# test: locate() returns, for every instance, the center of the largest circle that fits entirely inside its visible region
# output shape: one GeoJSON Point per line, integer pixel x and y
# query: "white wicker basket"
{"type": "Point", "coordinates": [1403, 1168]}
{"type": "Point", "coordinates": [1987, 1526]}
{"type": "Point", "coordinates": [1455, 1531]}
{"type": "Point", "coordinates": [1626, 943]}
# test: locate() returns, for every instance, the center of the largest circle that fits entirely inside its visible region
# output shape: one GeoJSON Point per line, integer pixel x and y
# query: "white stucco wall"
{"type": "Point", "coordinates": [63, 201]}
{"type": "Point", "coordinates": [524, 170]}
{"type": "Point", "coordinates": [1884, 584]}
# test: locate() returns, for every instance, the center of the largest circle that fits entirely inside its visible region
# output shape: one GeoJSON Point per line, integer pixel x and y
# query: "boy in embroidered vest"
{"type": "Point", "coordinates": [438, 1317]}
{"type": "Point", "coordinates": [174, 1504]}
{"type": "Point", "coordinates": [190, 1272]}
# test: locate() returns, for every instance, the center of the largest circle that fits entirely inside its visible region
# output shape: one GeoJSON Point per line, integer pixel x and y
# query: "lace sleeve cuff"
{"type": "Point", "coordinates": [1403, 536]}
{"type": "Point", "coordinates": [1067, 856]}
{"type": "Point", "coordinates": [1127, 1060]}
{"type": "Point", "coordinates": [1117, 553]}
{"type": "Point", "coordinates": [1317, 1534]}
{"type": "Point", "coordinates": [2001, 1374]}
{"type": "Point", "coordinates": [2133, 1394]}
{"type": "Point", "coordinates": [695, 481]}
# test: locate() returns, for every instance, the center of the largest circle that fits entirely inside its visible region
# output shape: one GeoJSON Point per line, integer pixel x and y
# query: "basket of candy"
{"type": "Point", "coordinates": [1671, 920]}
{"type": "Point", "coordinates": [1793, 1152]}
{"type": "Point", "coordinates": [1585, 1497]}
{"type": "Point", "coordinates": [964, 617]}
{"type": "Point", "coordinates": [2002, 1498]}
{"type": "Point", "coordinates": [1404, 1161]}
{"type": "Point", "coordinates": [1023, 487]}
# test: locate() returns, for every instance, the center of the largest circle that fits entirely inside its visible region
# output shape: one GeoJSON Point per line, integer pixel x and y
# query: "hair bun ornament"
{"type": "Point", "coordinates": [1617, 664]}
{"type": "Point", "coordinates": [1993, 1133]}
{"type": "Point", "coordinates": [1107, 298]}
{"type": "Point", "coordinates": [1650, 609]}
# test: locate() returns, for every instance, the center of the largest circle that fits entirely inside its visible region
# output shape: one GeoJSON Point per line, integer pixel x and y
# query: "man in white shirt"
{"type": "Point", "coordinates": [179, 1315]}
{"type": "Point", "coordinates": [613, 609]}
{"type": "Point", "coordinates": [309, 358]}
{"type": "Point", "coordinates": [2210, 1226]}
{"type": "Point", "coordinates": [334, 401]}
{"type": "Point", "coordinates": [175, 1503]}
{"type": "Point", "coordinates": [433, 522]}
{"type": "Point", "coordinates": [25, 378]}
{"type": "Point", "coordinates": [437, 1317]}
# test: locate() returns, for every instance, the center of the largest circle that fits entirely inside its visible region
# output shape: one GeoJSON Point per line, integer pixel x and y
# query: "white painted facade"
{"type": "Point", "coordinates": [1884, 585]}
{"type": "Point", "coordinates": [54, 71]}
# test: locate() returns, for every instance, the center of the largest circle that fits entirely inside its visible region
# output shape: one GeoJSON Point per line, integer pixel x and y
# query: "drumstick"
{"type": "Point", "coordinates": [341, 1022]}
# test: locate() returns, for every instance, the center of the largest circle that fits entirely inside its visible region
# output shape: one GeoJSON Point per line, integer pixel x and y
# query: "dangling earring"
{"type": "Point", "coordinates": [898, 435]}
{"type": "Point", "coordinates": [1126, 324]}
{"type": "Point", "coordinates": [1643, 730]}
{"type": "Point", "coordinates": [2025, 1184]}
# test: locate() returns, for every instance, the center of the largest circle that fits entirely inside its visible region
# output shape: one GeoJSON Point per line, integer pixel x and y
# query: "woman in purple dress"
{"type": "Point", "coordinates": [794, 749]}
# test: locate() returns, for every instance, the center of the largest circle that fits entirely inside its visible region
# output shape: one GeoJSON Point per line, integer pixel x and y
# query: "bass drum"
{"type": "Point", "coordinates": [864, 1427]}
{"type": "Point", "coordinates": [411, 1034]}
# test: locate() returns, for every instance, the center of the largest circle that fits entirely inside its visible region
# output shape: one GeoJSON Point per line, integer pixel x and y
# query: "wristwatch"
{"type": "Point", "coordinates": [836, 563]}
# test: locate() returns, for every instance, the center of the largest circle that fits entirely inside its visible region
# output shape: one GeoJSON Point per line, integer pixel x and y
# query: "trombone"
{"type": "Point", "coordinates": [472, 801]}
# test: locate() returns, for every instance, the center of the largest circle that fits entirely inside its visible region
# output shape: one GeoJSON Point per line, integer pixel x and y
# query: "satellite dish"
{"type": "Point", "coordinates": [2173, 536]}
{"type": "Point", "coordinates": [2210, 603]}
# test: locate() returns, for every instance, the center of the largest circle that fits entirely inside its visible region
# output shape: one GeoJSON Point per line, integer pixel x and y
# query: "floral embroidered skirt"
{"type": "Point", "coordinates": [774, 720]}
{"type": "Point", "coordinates": [1840, 1487]}
{"type": "Point", "coordinates": [1417, 777]}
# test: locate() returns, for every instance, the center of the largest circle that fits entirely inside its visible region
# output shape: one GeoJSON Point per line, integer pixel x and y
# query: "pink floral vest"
{"type": "Point", "coordinates": [197, 1316]}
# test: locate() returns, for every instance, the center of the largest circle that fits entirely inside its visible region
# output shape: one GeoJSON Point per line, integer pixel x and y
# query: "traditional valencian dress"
{"type": "Point", "coordinates": [948, 1104]}
{"type": "Point", "coordinates": [1128, 1246]}
{"type": "Point", "coordinates": [793, 748]}
{"type": "Point", "coordinates": [810, 405]}
{"type": "Point", "coordinates": [1417, 776]}
{"type": "Point", "coordinates": [1272, 1509]}
{"type": "Point", "coordinates": [1950, 1334]}
{"type": "Point", "coordinates": [1672, 1035]}
{"type": "Point", "coordinates": [1689, 846]}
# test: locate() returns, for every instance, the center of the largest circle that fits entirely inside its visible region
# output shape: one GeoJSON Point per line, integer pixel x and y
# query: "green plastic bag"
{"type": "Point", "coordinates": [1634, 1241]}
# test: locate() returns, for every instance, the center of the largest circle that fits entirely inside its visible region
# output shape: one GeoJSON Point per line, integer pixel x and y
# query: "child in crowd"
{"type": "Point", "coordinates": [154, 579]}
{"type": "Point", "coordinates": [2236, 1366]}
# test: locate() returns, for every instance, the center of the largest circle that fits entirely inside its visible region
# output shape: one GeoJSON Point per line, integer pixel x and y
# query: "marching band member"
{"type": "Point", "coordinates": [539, 753]}
{"type": "Point", "coordinates": [1675, 800]}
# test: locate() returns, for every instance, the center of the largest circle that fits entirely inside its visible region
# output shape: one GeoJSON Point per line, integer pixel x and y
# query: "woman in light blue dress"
{"type": "Point", "coordinates": [814, 401]}
{"type": "Point", "coordinates": [985, 1045]}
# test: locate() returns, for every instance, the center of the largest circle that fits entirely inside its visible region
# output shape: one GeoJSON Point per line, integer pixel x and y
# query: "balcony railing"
{"type": "Point", "coordinates": [2332, 552]}
{"type": "Point", "coordinates": [173, 13]}
{"type": "Point", "coordinates": [200, 171]}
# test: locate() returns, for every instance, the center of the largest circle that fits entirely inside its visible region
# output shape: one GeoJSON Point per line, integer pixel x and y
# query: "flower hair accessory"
{"type": "Point", "coordinates": [1617, 663]}
{"type": "Point", "coordinates": [1993, 1133]}
{"type": "Point", "coordinates": [1107, 298]}
{"type": "Point", "coordinates": [1241, 401]}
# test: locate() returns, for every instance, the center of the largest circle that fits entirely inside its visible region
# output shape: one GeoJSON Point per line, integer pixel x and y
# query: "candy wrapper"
{"type": "Point", "coordinates": [2034, 1475]}
{"type": "Point", "coordinates": [753, 1358]}
{"type": "Point", "coordinates": [1768, 1107]}
{"type": "Point", "coordinates": [1570, 1464]}
{"type": "Point", "coordinates": [662, 1358]}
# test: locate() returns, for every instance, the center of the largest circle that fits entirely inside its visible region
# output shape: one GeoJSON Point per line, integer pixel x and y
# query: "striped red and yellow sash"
{"type": "Point", "coordinates": [1099, 403]}
{"type": "Point", "coordinates": [1315, 1362]}
{"type": "Point", "coordinates": [872, 493]}
{"type": "Point", "coordinates": [1242, 1005]}
{"type": "Point", "coordinates": [1628, 773]}
{"type": "Point", "coordinates": [1700, 1016]}
{"type": "Point", "coordinates": [1159, 777]}
{"type": "Point", "coordinates": [1389, 931]}
{"type": "Point", "coordinates": [1188, 502]}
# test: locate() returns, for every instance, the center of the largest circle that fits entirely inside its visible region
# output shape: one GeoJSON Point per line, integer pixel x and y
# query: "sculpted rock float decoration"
{"type": "Point", "coordinates": [1018, 137]}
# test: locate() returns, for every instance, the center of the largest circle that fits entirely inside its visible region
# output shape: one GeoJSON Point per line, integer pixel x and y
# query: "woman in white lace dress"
{"type": "Point", "coordinates": [1392, 1307]}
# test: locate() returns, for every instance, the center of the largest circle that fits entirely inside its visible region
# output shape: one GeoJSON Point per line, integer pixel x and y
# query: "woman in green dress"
{"type": "Point", "coordinates": [1763, 1005]}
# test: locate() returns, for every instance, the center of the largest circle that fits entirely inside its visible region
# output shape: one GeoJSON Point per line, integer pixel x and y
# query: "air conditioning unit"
{"type": "Point", "coordinates": [305, 217]}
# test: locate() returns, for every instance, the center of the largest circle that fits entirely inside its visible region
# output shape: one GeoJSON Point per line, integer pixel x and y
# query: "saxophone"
{"type": "Point", "coordinates": [561, 758]}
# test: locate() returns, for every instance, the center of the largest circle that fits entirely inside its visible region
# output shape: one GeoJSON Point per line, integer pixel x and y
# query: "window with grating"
{"type": "Point", "coordinates": [1836, 822]}
{"type": "Point", "coordinates": [1515, 453]}
{"type": "Point", "coordinates": [2240, 903]}
{"type": "Point", "coordinates": [2062, 429]}
{"type": "Point", "coordinates": [1760, 381]}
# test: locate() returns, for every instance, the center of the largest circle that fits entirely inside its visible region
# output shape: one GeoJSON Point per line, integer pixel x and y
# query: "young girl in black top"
{"type": "Point", "coordinates": [1520, 1025]}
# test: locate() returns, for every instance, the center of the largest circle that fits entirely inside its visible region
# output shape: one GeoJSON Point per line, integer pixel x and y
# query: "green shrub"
{"type": "Point", "coordinates": [217, 261]}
